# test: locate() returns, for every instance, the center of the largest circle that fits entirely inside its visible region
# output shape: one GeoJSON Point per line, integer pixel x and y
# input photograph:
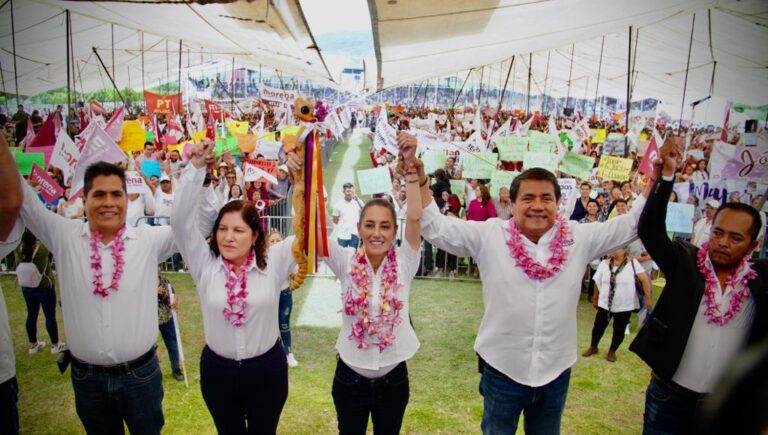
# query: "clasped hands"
{"type": "Point", "coordinates": [408, 165]}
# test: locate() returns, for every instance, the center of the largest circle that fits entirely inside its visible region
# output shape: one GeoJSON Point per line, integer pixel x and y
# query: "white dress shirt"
{"type": "Point", "coordinates": [122, 326]}
{"type": "Point", "coordinates": [7, 359]}
{"type": "Point", "coordinates": [711, 348]}
{"type": "Point", "coordinates": [370, 362]}
{"type": "Point", "coordinates": [259, 332]}
{"type": "Point", "coordinates": [528, 331]}
{"type": "Point", "coordinates": [625, 295]}
{"type": "Point", "coordinates": [348, 213]}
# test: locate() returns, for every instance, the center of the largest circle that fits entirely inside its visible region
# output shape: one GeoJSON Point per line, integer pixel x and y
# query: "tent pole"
{"type": "Point", "coordinates": [178, 108]}
{"type": "Point", "coordinates": [584, 101]}
{"type": "Point", "coordinates": [480, 88]}
{"type": "Point", "coordinates": [570, 73]}
{"type": "Point", "coordinates": [15, 70]}
{"type": "Point", "coordinates": [167, 70]}
{"type": "Point", "coordinates": [142, 62]}
{"type": "Point", "coordinates": [634, 64]}
{"type": "Point", "coordinates": [114, 86]}
{"type": "Point", "coordinates": [687, 68]}
{"type": "Point", "coordinates": [5, 95]}
{"type": "Point", "coordinates": [530, 69]}
{"type": "Point", "coordinates": [599, 70]}
{"type": "Point", "coordinates": [546, 77]}
{"type": "Point", "coordinates": [629, 97]}
{"type": "Point", "coordinates": [504, 89]}
{"type": "Point", "coordinates": [74, 61]}
{"type": "Point", "coordinates": [69, 97]}
{"type": "Point", "coordinates": [112, 32]}
{"type": "Point", "coordinates": [456, 99]}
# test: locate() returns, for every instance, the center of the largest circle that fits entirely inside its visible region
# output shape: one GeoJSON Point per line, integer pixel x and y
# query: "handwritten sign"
{"type": "Point", "coordinates": [376, 180]}
{"type": "Point", "coordinates": [501, 179]}
{"type": "Point", "coordinates": [614, 168]}
{"type": "Point", "coordinates": [25, 161]}
{"type": "Point", "coordinates": [577, 165]}
{"type": "Point", "coordinates": [542, 144]}
{"type": "Point", "coordinates": [614, 145]}
{"type": "Point", "coordinates": [433, 160]}
{"type": "Point", "coordinates": [49, 188]}
{"type": "Point", "coordinates": [511, 148]}
{"type": "Point", "coordinates": [457, 188]}
{"type": "Point", "coordinates": [680, 218]}
{"type": "Point", "coordinates": [546, 161]}
{"type": "Point", "coordinates": [479, 165]}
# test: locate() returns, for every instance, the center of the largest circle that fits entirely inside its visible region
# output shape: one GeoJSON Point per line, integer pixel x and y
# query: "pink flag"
{"type": "Point", "coordinates": [56, 123]}
{"type": "Point", "coordinates": [724, 133]}
{"type": "Point", "coordinates": [44, 140]}
{"type": "Point", "coordinates": [30, 136]}
{"type": "Point", "coordinates": [651, 154]}
{"type": "Point", "coordinates": [114, 127]}
{"type": "Point", "coordinates": [99, 147]}
{"type": "Point", "coordinates": [49, 188]}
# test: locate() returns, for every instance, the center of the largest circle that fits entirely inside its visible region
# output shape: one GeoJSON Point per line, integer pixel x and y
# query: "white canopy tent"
{"type": "Point", "coordinates": [420, 40]}
{"type": "Point", "coordinates": [270, 33]}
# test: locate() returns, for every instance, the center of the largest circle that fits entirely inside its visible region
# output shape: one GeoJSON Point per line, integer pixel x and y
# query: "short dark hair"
{"type": "Point", "coordinates": [593, 201]}
{"type": "Point", "coordinates": [381, 202]}
{"type": "Point", "coordinates": [754, 229]}
{"type": "Point", "coordinates": [347, 185]}
{"type": "Point", "coordinates": [538, 174]}
{"type": "Point", "coordinates": [148, 144]}
{"type": "Point", "coordinates": [624, 183]}
{"type": "Point", "coordinates": [585, 183]}
{"type": "Point", "coordinates": [620, 200]}
{"type": "Point", "coordinates": [251, 217]}
{"type": "Point", "coordinates": [102, 169]}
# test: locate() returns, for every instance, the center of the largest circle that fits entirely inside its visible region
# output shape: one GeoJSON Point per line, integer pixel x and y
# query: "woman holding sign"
{"type": "Point", "coordinates": [243, 369]}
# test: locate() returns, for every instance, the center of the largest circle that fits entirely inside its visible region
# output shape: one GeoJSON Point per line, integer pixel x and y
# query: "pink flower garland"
{"type": "Point", "coordinates": [740, 278]}
{"type": "Point", "coordinates": [356, 302]}
{"type": "Point", "coordinates": [531, 267]}
{"type": "Point", "coordinates": [235, 313]}
{"type": "Point", "coordinates": [118, 247]}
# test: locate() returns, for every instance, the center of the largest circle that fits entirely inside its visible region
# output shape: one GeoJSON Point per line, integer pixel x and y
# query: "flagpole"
{"type": "Point", "coordinates": [687, 68]}
{"type": "Point", "coordinates": [15, 70]}
{"type": "Point", "coordinates": [629, 97]}
{"type": "Point", "coordinates": [530, 69]}
{"type": "Point", "coordinates": [599, 70]}
{"type": "Point", "coordinates": [175, 318]}
{"type": "Point", "coordinates": [69, 98]}
{"type": "Point", "coordinates": [179, 97]}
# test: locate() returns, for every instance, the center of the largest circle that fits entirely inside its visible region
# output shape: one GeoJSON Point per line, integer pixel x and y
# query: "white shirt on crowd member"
{"type": "Point", "coordinates": [540, 343]}
{"type": "Point", "coordinates": [163, 203]}
{"type": "Point", "coordinates": [348, 213]}
{"type": "Point", "coordinates": [122, 326]}
{"type": "Point", "coordinates": [69, 211]}
{"type": "Point", "coordinates": [259, 332]}
{"type": "Point", "coordinates": [370, 362]}
{"type": "Point", "coordinates": [7, 358]}
{"type": "Point", "coordinates": [625, 295]}
{"type": "Point", "coordinates": [143, 205]}
{"type": "Point", "coordinates": [701, 231]}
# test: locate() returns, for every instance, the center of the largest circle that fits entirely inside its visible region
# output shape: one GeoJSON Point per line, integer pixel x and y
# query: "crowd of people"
{"type": "Point", "coordinates": [532, 249]}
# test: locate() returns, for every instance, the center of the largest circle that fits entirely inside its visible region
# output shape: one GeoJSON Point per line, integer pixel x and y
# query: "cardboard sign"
{"type": "Point", "coordinates": [25, 161]}
{"type": "Point", "coordinates": [49, 188]}
{"type": "Point", "coordinates": [512, 148]}
{"type": "Point", "coordinates": [501, 179]}
{"type": "Point", "coordinates": [680, 218]}
{"type": "Point", "coordinates": [376, 180]}
{"type": "Point", "coordinates": [546, 161]}
{"type": "Point", "coordinates": [577, 165]}
{"type": "Point", "coordinates": [614, 168]}
{"type": "Point", "coordinates": [134, 183]}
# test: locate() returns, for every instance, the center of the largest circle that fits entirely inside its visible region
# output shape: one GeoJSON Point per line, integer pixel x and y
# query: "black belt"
{"type": "Point", "coordinates": [677, 388]}
{"type": "Point", "coordinates": [116, 369]}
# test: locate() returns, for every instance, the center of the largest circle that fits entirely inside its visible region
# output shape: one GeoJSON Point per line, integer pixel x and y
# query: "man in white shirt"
{"type": "Point", "coordinates": [346, 215]}
{"type": "Point", "coordinates": [164, 200]}
{"type": "Point", "coordinates": [704, 225]}
{"type": "Point", "coordinates": [527, 338]}
{"type": "Point", "coordinates": [108, 281]}
{"type": "Point", "coordinates": [11, 230]}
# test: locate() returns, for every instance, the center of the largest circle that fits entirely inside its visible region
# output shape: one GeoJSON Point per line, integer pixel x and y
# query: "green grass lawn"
{"type": "Point", "coordinates": [603, 397]}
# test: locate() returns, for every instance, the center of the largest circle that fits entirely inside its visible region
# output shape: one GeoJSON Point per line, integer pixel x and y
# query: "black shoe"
{"type": "Point", "coordinates": [178, 375]}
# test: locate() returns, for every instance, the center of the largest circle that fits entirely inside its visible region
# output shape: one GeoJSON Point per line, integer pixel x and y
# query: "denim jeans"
{"type": "Point", "coordinates": [505, 399]}
{"type": "Point", "coordinates": [35, 298]}
{"type": "Point", "coordinates": [356, 398]}
{"type": "Point", "coordinates": [104, 401]}
{"type": "Point", "coordinates": [668, 411]}
{"type": "Point", "coordinates": [284, 318]}
{"type": "Point", "coordinates": [352, 242]}
{"type": "Point", "coordinates": [9, 412]}
{"type": "Point", "coordinates": [168, 331]}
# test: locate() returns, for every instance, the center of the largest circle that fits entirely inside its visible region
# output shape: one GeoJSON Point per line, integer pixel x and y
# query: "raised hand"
{"type": "Point", "coordinates": [406, 143]}
{"type": "Point", "coordinates": [201, 153]}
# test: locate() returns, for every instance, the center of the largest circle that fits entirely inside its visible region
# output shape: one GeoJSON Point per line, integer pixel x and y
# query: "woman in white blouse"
{"type": "Point", "coordinates": [243, 370]}
{"type": "Point", "coordinates": [616, 297]}
{"type": "Point", "coordinates": [376, 336]}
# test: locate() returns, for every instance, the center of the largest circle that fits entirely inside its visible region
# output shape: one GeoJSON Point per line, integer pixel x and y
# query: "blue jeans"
{"type": "Point", "coordinates": [667, 411]}
{"type": "Point", "coordinates": [35, 298]}
{"type": "Point", "coordinates": [352, 242]}
{"type": "Point", "coordinates": [505, 399]}
{"type": "Point", "coordinates": [168, 331]}
{"type": "Point", "coordinates": [104, 401]}
{"type": "Point", "coordinates": [284, 318]}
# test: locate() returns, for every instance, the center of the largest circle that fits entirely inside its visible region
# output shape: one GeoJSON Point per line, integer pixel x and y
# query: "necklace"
{"type": "Point", "coordinates": [738, 282]}
{"type": "Point", "coordinates": [531, 267]}
{"type": "Point", "coordinates": [117, 248]}
{"type": "Point", "coordinates": [235, 313]}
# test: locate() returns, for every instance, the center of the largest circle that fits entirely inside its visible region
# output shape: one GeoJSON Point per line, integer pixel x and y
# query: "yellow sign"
{"type": "Point", "coordinates": [600, 135]}
{"type": "Point", "coordinates": [237, 127]}
{"type": "Point", "coordinates": [198, 136]}
{"type": "Point", "coordinates": [614, 168]}
{"type": "Point", "coordinates": [291, 130]}
{"type": "Point", "coordinates": [246, 142]}
{"type": "Point", "coordinates": [133, 137]}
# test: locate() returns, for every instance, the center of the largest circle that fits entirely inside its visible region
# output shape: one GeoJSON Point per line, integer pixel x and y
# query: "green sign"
{"type": "Point", "coordinates": [546, 161]}
{"type": "Point", "coordinates": [479, 165]}
{"type": "Point", "coordinates": [433, 159]}
{"type": "Point", "coordinates": [150, 136]}
{"type": "Point", "coordinates": [512, 148]}
{"type": "Point", "coordinates": [24, 161]}
{"type": "Point", "coordinates": [577, 165]}
{"type": "Point", "coordinates": [457, 188]}
{"type": "Point", "coordinates": [501, 179]}
{"type": "Point", "coordinates": [376, 180]}
{"type": "Point", "coordinates": [542, 144]}
{"type": "Point", "coordinates": [228, 143]}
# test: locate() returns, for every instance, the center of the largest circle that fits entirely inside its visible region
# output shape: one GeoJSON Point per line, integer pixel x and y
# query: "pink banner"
{"type": "Point", "coordinates": [49, 188]}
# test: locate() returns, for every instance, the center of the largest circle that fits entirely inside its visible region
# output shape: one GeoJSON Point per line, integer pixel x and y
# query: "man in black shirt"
{"type": "Point", "coordinates": [20, 119]}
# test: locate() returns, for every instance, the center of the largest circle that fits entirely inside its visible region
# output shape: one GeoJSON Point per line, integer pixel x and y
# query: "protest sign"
{"type": "Point", "coordinates": [614, 145]}
{"type": "Point", "coordinates": [225, 144]}
{"type": "Point", "coordinates": [433, 160]}
{"type": "Point", "coordinates": [133, 136]}
{"type": "Point", "coordinates": [270, 149]}
{"type": "Point", "coordinates": [546, 161]}
{"type": "Point", "coordinates": [277, 98]}
{"type": "Point", "coordinates": [266, 165]}
{"type": "Point", "coordinates": [479, 165]}
{"type": "Point", "coordinates": [680, 218]}
{"type": "Point", "coordinates": [134, 183]}
{"type": "Point", "coordinates": [731, 161]}
{"type": "Point", "coordinates": [457, 188]}
{"type": "Point", "coordinates": [149, 136]}
{"type": "Point", "coordinates": [376, 180]}
{"type": "Point", "coordinates": [158, 103]}
{"type": "Point", "coordinates": [49, 188]}
{"type": "Point", "coordinates": [512, 148]}
{"type": "Point", "coordinates": [501, 179]}
{"type": "Point", "coordinates": [150, 168]}
{"type": "Point", "coordinates": [25, 161]}
{"type": "Point", "coordinates": [577, 165]}
{"type": "Point", "coordinates": [237, 127]}
{"type": "Point", "coordinates": [599, 135]}
{"type": "Point", "coordinates": [198, 136]}
{"type": "Point", "coordinates": [567, 187]}
{"type": "Point", "coordinates": [246, 142]}
{"type": "Point", "coordinates": [614, 168]}
{"type": "Point", "coordinates": [256, 173]}
{"type": "Point", "coordinates": [542, 144]}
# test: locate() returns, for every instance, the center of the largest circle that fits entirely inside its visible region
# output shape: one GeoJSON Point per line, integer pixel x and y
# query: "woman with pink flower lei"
{"type": "Point", "coordinates": [243, 369]}
{"type": "Point", "coordinates": [376, 337]}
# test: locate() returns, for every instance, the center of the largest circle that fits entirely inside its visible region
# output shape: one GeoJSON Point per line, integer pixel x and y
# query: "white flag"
{"type": "Point", "coordinates": [386, 135]}
{"type": "Point", "coordinates": [65, 154]}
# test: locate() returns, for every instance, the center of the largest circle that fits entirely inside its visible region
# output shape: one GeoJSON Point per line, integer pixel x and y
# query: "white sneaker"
{"type": "Point", "coordinates": [60, 347]}
{"type": "Point", "coordinates": [291, 360]}
{"type": "Point", "coordinates": [626, 330]}
{"type": "Point", "coordinates": [36, 347]}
